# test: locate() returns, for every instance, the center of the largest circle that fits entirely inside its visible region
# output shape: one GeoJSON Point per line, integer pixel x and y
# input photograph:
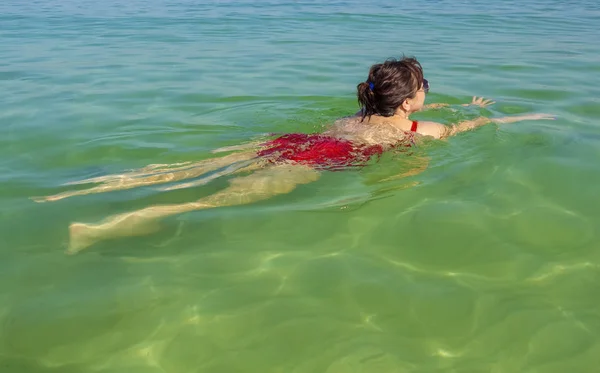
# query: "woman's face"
{"type": "Point", "coordinates": [419, 98]}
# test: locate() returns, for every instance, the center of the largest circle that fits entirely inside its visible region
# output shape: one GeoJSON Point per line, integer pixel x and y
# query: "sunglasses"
{"type": "Point", "coordinates": [426, 85]}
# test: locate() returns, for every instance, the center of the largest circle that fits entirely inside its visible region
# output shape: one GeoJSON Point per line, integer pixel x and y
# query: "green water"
{"type": "Point", "coordinates": [489, 264]}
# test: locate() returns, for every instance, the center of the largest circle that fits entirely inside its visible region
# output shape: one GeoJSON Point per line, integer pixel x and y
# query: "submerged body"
{"type": "Point", "coordinates": [332, 150]}
{"type": "Point", "coordinates": [347, 143]}
{"type": "Point", "coordinates": [393, 91]}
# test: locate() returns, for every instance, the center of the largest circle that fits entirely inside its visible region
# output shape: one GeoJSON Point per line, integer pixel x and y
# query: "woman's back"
{"type": "Point", "coordinates": [381, 131]}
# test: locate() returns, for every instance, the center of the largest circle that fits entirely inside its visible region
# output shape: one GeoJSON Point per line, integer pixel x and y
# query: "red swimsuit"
{"type": "Point", "coordinates": [323, 152]}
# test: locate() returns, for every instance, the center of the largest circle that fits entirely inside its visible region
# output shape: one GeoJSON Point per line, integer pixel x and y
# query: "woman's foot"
{"type": "Point", "coordinates": [81, 236]}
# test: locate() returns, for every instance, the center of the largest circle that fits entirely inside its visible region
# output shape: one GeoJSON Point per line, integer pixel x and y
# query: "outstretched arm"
{"type": "Point", "coordinates": [435, 106]}
{"type": "Point", "coordinates": [440, 131]}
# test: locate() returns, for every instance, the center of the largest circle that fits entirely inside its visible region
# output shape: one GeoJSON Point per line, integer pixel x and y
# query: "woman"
{"type": "Point", "coordinates": [392, 92]}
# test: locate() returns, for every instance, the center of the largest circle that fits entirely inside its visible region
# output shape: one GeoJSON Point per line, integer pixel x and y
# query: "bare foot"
{"type": "Point", "coordinates": [53, 198]}
{"type": "Point", "coordinates": [81, 236]}
{"type": "Point", "coordinates": [59, 196]}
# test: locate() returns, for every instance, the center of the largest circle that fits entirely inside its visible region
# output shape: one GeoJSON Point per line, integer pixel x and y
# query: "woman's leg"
{"type": "Point", "coordinates": [153, 169]}
{"type": "Point", "coordinates": [238, 168]}
{"type": "Point", "coordinates": [259, 186]}
{"type": "Point", "coordinates": [137, 179]}
{"type": "Point", "coordinates": [150, 169]}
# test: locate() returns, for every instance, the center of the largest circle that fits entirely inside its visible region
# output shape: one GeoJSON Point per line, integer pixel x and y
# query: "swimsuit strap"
{"type": "Point", "coordinates": [413, 128]}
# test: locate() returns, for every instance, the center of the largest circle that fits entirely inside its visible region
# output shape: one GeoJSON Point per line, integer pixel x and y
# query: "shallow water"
{"type": "Point", "coordinates": [490, 263]}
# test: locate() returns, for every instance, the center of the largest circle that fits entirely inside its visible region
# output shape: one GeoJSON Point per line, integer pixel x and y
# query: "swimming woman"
{"type": "Point", "coordinates": [393, 91]}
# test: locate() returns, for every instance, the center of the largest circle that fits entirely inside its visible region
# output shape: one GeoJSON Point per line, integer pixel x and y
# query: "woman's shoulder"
{"type": "Point", "coordinates": [433, 129]}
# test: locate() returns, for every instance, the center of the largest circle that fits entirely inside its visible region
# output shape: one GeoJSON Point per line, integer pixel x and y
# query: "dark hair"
{"type": "Point", "coordinates": [388, 85]}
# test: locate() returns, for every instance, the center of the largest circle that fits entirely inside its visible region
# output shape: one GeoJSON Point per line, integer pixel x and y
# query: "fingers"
{"type": "Point", "coordinates": [482, 102]}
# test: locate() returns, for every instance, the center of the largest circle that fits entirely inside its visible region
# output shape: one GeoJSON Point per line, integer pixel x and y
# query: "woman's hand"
{"type": "Point", "coordinates": [480, 101]}
{"type": "Point", "coordinates": [477, 101]}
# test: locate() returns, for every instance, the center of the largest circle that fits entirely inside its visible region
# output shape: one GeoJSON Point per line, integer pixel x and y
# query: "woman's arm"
{"type": "Point", "coordinates": [434, 106]}
{"type": "Point", "coordinates": [440, 131]}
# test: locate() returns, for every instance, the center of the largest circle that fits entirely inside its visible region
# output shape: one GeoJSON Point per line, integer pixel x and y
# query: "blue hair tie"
{"type": "Point", "coordinates": [371, 86]}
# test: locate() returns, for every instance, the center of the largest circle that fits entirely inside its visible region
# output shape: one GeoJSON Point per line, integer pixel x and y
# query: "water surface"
{"type": "Point", "coordinates": [489, 264]}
